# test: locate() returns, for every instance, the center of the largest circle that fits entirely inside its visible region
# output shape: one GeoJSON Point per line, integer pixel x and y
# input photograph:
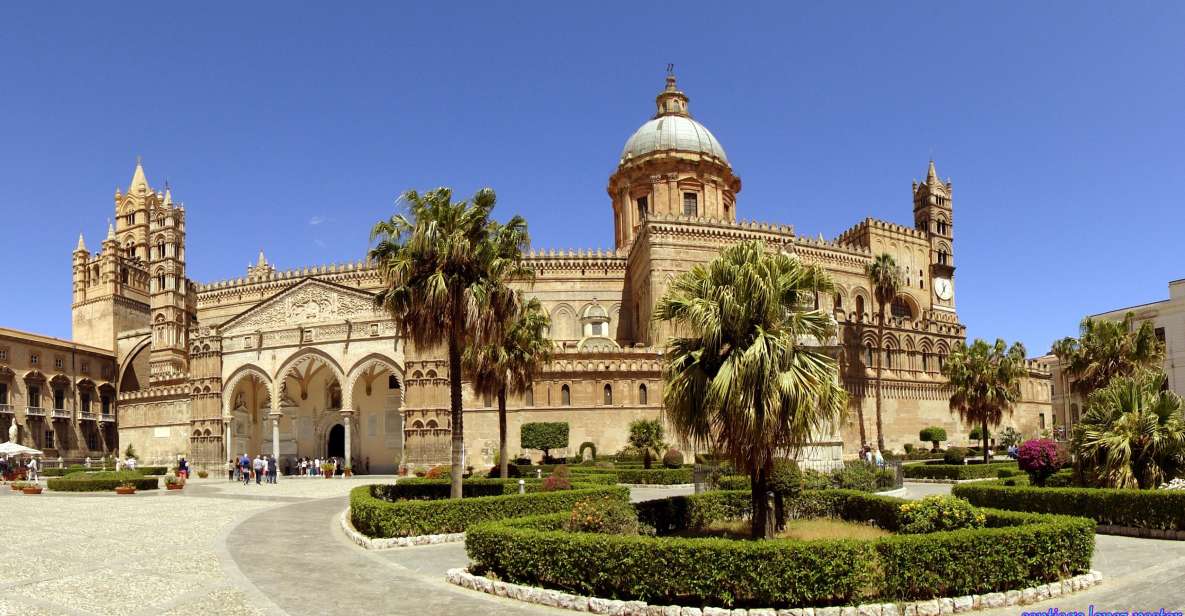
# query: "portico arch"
{"type": "Point", "coordinates": [243, 408]}
{"type": "Point", "coordinates": [373, 417]}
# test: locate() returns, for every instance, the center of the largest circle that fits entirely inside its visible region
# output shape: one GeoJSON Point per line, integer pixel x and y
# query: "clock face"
{"type": "Point", "coordinates": [943, 288]}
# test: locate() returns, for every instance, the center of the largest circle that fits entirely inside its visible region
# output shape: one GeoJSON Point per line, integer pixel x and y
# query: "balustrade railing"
{"type": "Point", "coordinates": [6, 409]}
{"type": "Point", "coordinates": [34, 411]}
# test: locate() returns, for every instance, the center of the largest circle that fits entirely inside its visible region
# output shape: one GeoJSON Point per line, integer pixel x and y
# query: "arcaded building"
{"type": "Point", "coordinates": [297, 362]}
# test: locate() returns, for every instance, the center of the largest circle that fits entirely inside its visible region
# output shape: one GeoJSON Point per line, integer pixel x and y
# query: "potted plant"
{"type": "Point", "coordinates": [126, 487]}
{"type": "Point", "coordinates": [173, 482]}
{"type": "Point", "coordinates": [327, 469]}
{"type": "Point", "coordinates": [203, 474]}
{"type": "Point", "coordinates": [29, 487]}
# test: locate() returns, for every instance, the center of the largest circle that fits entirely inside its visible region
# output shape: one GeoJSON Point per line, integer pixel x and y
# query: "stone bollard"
{"type": "Point", "coordinates": [538, 473]}
{"type": "Point", "coordinates": [522, 486]}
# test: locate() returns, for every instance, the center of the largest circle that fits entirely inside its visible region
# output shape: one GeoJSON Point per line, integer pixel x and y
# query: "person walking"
{"type": "Point", "coordinates": [257, 466]}
{"type": "Point", "coordinates": [273, 469]}
{"type": "Point", "coordinates": [245, 469]}
{"type": "Point", "coordinates": [31, 471]}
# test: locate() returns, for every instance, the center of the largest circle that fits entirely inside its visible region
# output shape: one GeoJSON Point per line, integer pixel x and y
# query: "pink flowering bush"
{"type": "Point", "coordinates": [1040, 458]}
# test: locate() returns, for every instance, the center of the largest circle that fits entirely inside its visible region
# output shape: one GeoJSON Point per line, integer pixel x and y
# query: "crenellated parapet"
{"type": "Point", "coordinates": [858, 234]}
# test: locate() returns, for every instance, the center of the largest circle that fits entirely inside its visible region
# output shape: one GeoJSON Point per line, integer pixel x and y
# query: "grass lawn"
{"type": "Point", "coordinates": [802, 530]}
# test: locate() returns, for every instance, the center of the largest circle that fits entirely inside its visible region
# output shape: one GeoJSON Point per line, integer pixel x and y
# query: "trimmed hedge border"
{"type": "Point", "coordinates": [429, 514]}
{"type": "Point", "coordinates": [932, 607]}
{"type": "Point", "coordinates": [1025, 549]}
{"type": "Point", "coordinates": [1122, 512]}
{"type": "Point", "coordinates": [68, 484]}
{"type": "Point", "coordinates": [955, 472]}
{"type": "Point", "coordinates": [394, 542]}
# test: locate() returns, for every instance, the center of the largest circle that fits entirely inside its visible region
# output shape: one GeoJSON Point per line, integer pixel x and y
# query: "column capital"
{"type": "Point", "coordinates": [347, 413]}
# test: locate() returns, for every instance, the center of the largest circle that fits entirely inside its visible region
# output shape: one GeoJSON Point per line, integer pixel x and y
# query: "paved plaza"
{"type": "Point", "coordinates": [221, 548]}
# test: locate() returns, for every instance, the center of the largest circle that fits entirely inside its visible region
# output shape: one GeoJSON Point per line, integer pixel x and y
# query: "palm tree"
{"type": "Point", "coordinates": [508, 364]}
{"type": "Point", "coordinates": [750, 380]}
{"type": "Point", "coordinates": [1133, 432]}
{"type": "Point", "coordinates": [885, 278]}
{"type": "Point", "coordinates": [444, 265]}
{"type": "Point", "coordinates": [985, 380]}
{"type": "Point", "coordinates": [1106, 349]}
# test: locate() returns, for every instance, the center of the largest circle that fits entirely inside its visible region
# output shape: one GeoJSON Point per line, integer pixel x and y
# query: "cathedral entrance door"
{"type": "Point", "coordinates": [335, 447]}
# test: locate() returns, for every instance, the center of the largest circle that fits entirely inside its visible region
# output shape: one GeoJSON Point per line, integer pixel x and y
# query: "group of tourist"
{"type": "Point", "coordinates": [872, 456]}
{"type": "Point", "coordinates": [15, 466]}
{"type": "Point", "coordinates": [262, 468]}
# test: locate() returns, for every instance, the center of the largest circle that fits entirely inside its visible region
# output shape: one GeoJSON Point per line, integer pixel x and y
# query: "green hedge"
{"type": "Point", "coordinates": [380, 510]}
{"type": "Point", "coordinates": [655, 476]}
{"type": "Point", "coordinates": [152, 470]}
{"type": "Point", "coordinates": [100, 481]}
{"type": "Point", "coordinates": [1152, 509]}
{"type": "Point", "coordinates": [955, 471]}
{"type": "Point", "coordinates": [1024, 550]}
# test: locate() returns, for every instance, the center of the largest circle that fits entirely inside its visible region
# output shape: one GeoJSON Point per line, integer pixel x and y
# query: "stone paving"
{"type": "Point", "coordinates": [219, 548]}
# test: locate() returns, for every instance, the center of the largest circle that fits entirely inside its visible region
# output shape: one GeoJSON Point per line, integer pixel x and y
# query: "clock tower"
{"type": "Point", "coordinates": [932, 213]}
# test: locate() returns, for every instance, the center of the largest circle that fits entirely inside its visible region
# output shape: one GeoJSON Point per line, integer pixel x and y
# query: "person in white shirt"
{"type": "Point", "coordinates": [32, 470]}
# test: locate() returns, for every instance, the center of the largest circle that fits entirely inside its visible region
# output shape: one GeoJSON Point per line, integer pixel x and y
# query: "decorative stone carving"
{"type": "Point", "coordinates": [311, 301]}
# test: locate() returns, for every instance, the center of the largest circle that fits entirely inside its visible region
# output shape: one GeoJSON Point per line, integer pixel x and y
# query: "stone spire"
{"type": "Point", "coordinates": [262, 261]}
{"type": "Point", "coordinates": [671, 101]}
{"type": "Point", "coordinates": [138, 178]}
{"type": "Point", "coordinates": [168, 202]}
{"type": "Point", "coordinates": [110, 231]}
{"type": "Point", "coordinates": [81, 244]}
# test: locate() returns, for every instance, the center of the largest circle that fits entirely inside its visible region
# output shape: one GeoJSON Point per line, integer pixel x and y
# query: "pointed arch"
{"type": "Point", "coordinates": [228, 389]}
{"type": "Point", "coordinates": [293, 362]}
{"type": "Point", "coordinates": [361, 367]}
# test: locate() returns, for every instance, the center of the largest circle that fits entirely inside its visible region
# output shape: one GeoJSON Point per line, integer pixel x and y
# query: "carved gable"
{"type": "Point", "coordinates": [305, 303]}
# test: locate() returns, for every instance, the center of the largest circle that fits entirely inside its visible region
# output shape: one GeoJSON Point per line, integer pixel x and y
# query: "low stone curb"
{"type": "Point", "coordinates": [665, 486]}
{"type": "Point", "coordinates": [1142, 533]}
{"type": "Point", "coordinates": [372, 543]}
{"type": "Point", "coordinates": [613, 607]}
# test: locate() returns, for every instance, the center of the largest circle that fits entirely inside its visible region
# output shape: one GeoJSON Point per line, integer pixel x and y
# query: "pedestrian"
{"type": "Point", "coordinates": [230, 469]}
{"type": "Point", "coordinates": [31, 471]}
{"type": "Point", "coordinates": [257, 467]}
{"type": "Point", "coordinates": [880, 460]}
{"type": "Point", "coordinates": [245, 469]}
{"type": "Point", "coordinates": [272, 469]}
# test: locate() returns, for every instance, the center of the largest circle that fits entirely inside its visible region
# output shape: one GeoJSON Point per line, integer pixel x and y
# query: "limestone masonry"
{"type": "Point", "coordinates": [299, 363]}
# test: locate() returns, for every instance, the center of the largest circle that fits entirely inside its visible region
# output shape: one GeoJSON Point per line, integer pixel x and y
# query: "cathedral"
{"type": "Point", "coordinates": [298, 362]}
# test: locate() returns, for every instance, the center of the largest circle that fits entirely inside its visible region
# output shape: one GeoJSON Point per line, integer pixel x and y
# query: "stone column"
{"type": "Point", "coordinates": [227, 431]}
{"type": "Point", "coordinates": [275, 416]}
{"type": "Point", "coordinates": [346, 424]}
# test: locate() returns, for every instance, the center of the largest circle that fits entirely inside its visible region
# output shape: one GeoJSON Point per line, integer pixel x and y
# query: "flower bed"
{"type": "Point", "coordinates": [1024, 549]}
{"type": "Point", "coordinates": [101, 481]}
{"type": "Point", "coordinates": [955, 472]}
{"type": "Point", "coordinates": [411, 508]}
{"type": "Point", "coordinates": [1144, 509]}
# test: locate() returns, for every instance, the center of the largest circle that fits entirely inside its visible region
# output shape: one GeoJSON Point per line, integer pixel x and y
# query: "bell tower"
{"type": "Point", "coordinates": [172, 298]}
{"type": "Point", "coordinates": [933, 213]}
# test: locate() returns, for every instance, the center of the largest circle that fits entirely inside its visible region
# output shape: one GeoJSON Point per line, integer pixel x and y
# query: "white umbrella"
{"type": "Point", "coordinates": [12, 449]}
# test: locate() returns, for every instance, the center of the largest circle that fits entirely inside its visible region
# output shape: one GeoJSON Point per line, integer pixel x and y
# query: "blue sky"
{"type": "Point", "coordinates": [291, 127]}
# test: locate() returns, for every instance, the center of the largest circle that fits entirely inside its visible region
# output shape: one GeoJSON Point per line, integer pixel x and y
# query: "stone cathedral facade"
{"type": "Point", "coordinates": [297, 362]}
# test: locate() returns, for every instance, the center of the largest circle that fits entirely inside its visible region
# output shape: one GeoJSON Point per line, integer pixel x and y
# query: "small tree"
{"type": "Point", "coordinates": [545, 435]}
{"type": "Point", "coordinates": [130, 452]}
{"type": "Point", "coordinates": [978, 435]}
{"type": "Point", "coordinates": [1040, 458]}
{"type": "Point", "coordinates": [1009, 437]}
{"type": "Point", "coordinates": [646, 435]}
{"type": "Point", "coordinates": [933, 435]}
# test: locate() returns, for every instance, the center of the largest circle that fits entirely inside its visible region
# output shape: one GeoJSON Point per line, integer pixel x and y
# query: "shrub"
{"type": "Point", "coordinates": [603, 514]}
{"type": "Point", "coordinates": [938, 513]}
{"type": "Point", "coordinates": [1009, 437]}
{"type": "Point", "coordinates": [545, 435]}
{"type": "Point", "coordinates": [203, 474]}
{"type": "Point", "coordinates": [511, 471]}
{"type": "Point", "coordinates": [1025, 550]}
{"type": "Point", "coordinates": [436, 472]}
{"type": "Point", "coordinates": [955, 455]}
{"type": "Point", "coordinates": [1005, 473]}
{"type": "Point", "coordinates": [933, 435]}
{"type": "Point", "coordinates": [383, 510]}
{"type": "Point", "coordinates": [592, 447]}
{"type": "Point", "coordinates": [420, 471]}
{"type": "Point", "coordinates": [977, 434]}
{"type": "Point", "coordinates": [1061, 479]}
{"type": "Point", "coordinates": [955, 472]}
{"type": "Point", "coordinates": [856, 475]}
{"type": "Point", "coordinates": [908, 448]}
{"type": "Point", "coordinates": [101, 481]}
{"type": "Point", "coordinates": [1040, 458]}
{"type": "Point", "coordinates": [152, 470]}
{"type": "Point", "coordinates": [130, 452]}
{"type": "Point", "coordinates": [559, 479]}
{"type": "Point", "coordinates": [654, 476]}
{"type": "Point", "coordinates": [673, 458]}
{"type": "Point", "coordinates": [1151, 509]}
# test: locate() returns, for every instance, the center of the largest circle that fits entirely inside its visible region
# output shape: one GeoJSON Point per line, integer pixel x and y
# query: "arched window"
{"type": "Point", "coordinates": [838, 301]}
{"type": "Point", "coordinates": [123, 275]}
{"type": "Point", "coordinates": [869, 357]}
{"type": "Point", "coordinates": [941, 227]}
{"type": "Point", "coordinates": [565, 396]}
{"type": "Point", "coordinates": [925, 362]}
{"type": "Point", "coordinates": [529, 396]}
{"type": "Point", "coordinates": [889, 358]}
{"type": "Point", "coordinates": [900, 308]}
{"type": "Point", "coordinates": [160, 281]}
{"type": "Point", "coordinates": [608, 395]}
{"type": "Point", "coordinates": [335, 396]}
{"type": "Point", "coordinates": [642, 393]}
{"type": "Point", "coordinates": [942, 256]}
{"type": "Point", "coordinates": [160, 249]}
{"type": "Point", "coordinates": [859, 306]}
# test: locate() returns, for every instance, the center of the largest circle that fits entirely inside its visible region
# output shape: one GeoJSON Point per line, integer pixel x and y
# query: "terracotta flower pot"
{"type": "Point", "coordinates": [123, 490]}
{"type": "Point", "coordinates": [15, 488]}
{"type": "Point", "coordinates": [174, 486]}
{"type": "Point", "coordinates": [31, 490]}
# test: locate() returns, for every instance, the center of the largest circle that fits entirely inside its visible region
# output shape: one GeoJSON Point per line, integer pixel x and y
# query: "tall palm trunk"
{"type": "Point", "coordinates": [503, 459]}
{"type": "Point", "coordinates": [762, 525]}
{"type": "Point", "coordinates": [880, 361]}
{"type": "Point", "coordinates": [456, 417]}
{"type": "Point", "coordinates": [987, 454]}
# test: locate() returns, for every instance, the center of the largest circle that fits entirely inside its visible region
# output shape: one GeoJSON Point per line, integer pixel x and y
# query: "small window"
{"type": "Point", "coordinates": [942, 227]}
{"type": "Point", "coordinates": [925, 362]}
{"type": "Point", "coordinates": [565, 396]}
{"type": "Point", "coordinates": [160, 250]}
{"type": "Point", "coordinates": [34, 358]}
{"type": "Point", "coordinates": [889, 358]}
{"type": "Point", "coordinates": [59, 399]}
{"type": "Point", "coordinates": [859, 306]}
{"type": "Point", "coordinates": [869, 358]}
{"type": "Point", "coordinates": [84, 402]}
{"type": "Point", "coordinates": [105, 403]}
{"type": "Point", "coordinates": [309, 335]}
{"type": "Point", "coordinates": [1041, 419]}
{"type": "Point", "coordinates": [3, 393]}
{"type": "Point", "coordinates": [529, 396]}
{"type": "Point", "coordinates": [1160, 335]}
{"type": "Point", "coordinates": [642, 393]}
{"type": "Point", "coordinates": [374, 329]}
{"type": "Point", "coordinates": [160, 282]}
{"type": "Point", "coordinates": [123, 275]}
{"type": "Point", "coordinates": [838, 301]}
{"type": "Point", "coordinates": [48, 439]}
{"type": "Point", "coordinates": [942, 256]}
{"type": "Point", "coordinates": [392, 381]}
{"type": "Point", "coordinates": [34, 396]}
{"type": "Point", "coordinates": [690, 204]}
{"type": "Point", "coordinates": [3, 354]}
{"type": "Point", "coordinates": [643, 207]}
{"type": "Point", "coordinates": [58, 362]}
{"type": "Point", "coordinates": [246, 342]}
{"type": "Point", "coordinates": [84, 367]}
{"type": "Point", "coordinates": [608, 395]}
{"type": "Point", "coordinates": [598, 329]}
